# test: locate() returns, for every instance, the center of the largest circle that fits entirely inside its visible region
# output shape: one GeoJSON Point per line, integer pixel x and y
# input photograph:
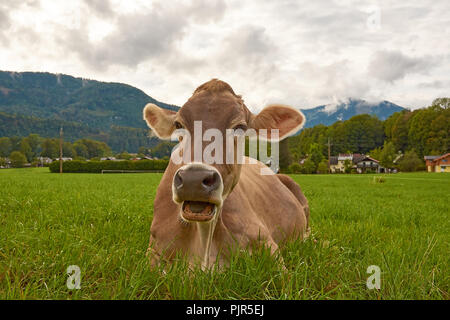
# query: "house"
{"type": "Point", "coordinates": [429, 162]}
{"type": "Point", "coordinates": [438, 163]}
{"type": "Point", "coordinates": [337, 163]}
{"type": "Point", "coordinates": [334, 165]}
{"type": "Point", "coordinates": [44, 160]}
{"type": "Point", "coordinates": [361, 163]}
{"type": "Point", "coordinates": [5, 164]}
{"type": "Point", "coordinates": [364, 163]}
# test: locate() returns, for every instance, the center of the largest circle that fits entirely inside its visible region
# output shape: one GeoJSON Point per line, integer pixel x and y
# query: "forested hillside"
{"type": "Point", "coordinates": [118, 138]}
{"type": "Point", "coordinates": [425, 131]}
{"type": "Point", "coordinates": [93, 103]}
{"type": "Point", "coordinates": [37, 102]}
{"type": "Point", "coordinates": [42, 103]}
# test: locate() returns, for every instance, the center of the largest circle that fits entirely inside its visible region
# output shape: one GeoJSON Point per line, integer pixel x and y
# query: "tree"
{"type": "Point", "coordinates": [410, 162]}
{"type": "Point", "coordinates": [295, 168]}
{"type": "Point", "coordinates": [441, 102]}
{"type": "Point", "coordinates": [124, 155]}
{"type": "Point", "coordinates": [34, 140]}
{"type": "Point", "coordinates": [347, 166]}
{"type": "Point", "coordinates": [26, 150]}
{"type": "Point", "coordinates": [399, 129]}
{"type": "Point", "coordinates": [50, 148]}
{"type": "Point", "coordinates": [363, 133]}
{"type": "Point", "coordinates": [387, 155]}
{"type": "Point", "coordinates": [5, 146]}
{"type": "Point", "coordinates": [69, 150]}
{"type": "Point", "coordinates": [285, 156]}
{"type": "Point", "coordinates": [80, 149]}
{"type": "Point", "coordinates": [17, 159]}
{"type": "Point", "coordinates": [429, 129]}
{"type": "Point", "coordinates": [323, 166]}
{"type": "Point", "coordinates": [315, 154]}
{"type": "Point", "coordinates": [93, 148]}
{"type": "Point", "coordinates": [376, 153]}
{"type": "Point", "coordinates": [162, 149]}
{"type": "Point", "coordinates": [143, 150]}
{"type": "Point", "coordinates": [300, 145]}
{"type": "Point", "coordinates": [15, 143]}
{"type": "Point", "coordinates": [308, 166]}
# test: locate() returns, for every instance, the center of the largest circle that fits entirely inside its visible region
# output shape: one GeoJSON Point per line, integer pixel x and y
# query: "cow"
{"type": "Point", "coordinates": [201, 210]}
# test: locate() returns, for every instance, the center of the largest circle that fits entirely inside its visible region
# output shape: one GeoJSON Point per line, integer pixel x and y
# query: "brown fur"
{"type": "Point", "coordinates": [267, 208]}
{"type": "Point", "coordinates": [215, 86]}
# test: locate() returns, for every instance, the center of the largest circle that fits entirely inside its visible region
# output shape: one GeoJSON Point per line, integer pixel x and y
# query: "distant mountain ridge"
{"type": "Point", "coordinates": [330, 113]}
{"type": "Point", "coordinates": [101, 107]}
{"type": "Point", "coordinates": [62, 97]}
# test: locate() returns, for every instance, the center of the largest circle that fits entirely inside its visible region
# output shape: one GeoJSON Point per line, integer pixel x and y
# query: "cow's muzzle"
{"type": "Point", "coordinates": [198, 188]}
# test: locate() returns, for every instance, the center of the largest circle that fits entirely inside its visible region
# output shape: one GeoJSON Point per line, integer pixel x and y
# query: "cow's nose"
{"type": "Point", "coordinates": [197, 181]}
{"type": "Point", "coordinates": [197, 188]}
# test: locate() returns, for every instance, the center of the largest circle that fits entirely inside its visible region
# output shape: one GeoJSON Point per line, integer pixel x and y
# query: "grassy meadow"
{"type": "Point", "coordinates": [101, 223]}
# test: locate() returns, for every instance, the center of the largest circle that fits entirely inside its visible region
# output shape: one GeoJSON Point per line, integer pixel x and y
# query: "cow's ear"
{"type": "Point", "coordinates": [160, 120]}
{"type": "Point", "coordinates": [284, 118]}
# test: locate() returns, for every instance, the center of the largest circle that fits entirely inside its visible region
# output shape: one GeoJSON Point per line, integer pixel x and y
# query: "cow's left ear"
{"type": "Point", "coordinates": [284, 118]}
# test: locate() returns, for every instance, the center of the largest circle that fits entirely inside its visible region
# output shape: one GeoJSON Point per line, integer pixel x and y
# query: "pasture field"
{"type": "Point", "coordinates": [101, 223]}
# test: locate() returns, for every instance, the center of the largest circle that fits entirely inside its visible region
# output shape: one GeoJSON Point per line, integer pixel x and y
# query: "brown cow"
{"type": "Point", "coordinates": [202, 210]}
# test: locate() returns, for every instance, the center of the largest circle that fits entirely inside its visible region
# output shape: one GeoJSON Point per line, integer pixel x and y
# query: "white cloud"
{"type": "Point", "coordinates": [393, 65]}
{"type": "Point", "coordinates": [300, 53]}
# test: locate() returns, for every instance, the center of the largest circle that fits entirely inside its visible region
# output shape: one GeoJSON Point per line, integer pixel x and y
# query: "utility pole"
{"type": "Point", "coordinates": [60, 149]}
{"type": "Point", "coordinates": [329, 155]}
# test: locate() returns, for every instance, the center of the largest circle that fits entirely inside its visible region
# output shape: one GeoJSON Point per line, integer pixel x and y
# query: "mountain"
{"type": "Point", "coordinates": [36, 102]}
{"type": "Point", "coordinates": [41, 102]}
{"type": "Point", "coordinates": [93, 103]}
{"type": "Point", "coordinates": [330, 113]}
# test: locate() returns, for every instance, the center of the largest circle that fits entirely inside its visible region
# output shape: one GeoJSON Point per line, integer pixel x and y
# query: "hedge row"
{"type": "Point", "coordinates": [77, 166]}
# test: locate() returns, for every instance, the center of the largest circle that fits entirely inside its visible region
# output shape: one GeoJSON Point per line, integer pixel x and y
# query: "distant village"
{"type": "Point", "coordinates": [45, 161]}
{"type": "Point", "coordinates": [359, 163]}
{"type": "Point", "coordinates": [342, 163]}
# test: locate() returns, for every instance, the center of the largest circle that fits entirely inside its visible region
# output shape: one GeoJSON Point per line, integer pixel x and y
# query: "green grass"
{"type": "Point", "coordinates": [101, 223]}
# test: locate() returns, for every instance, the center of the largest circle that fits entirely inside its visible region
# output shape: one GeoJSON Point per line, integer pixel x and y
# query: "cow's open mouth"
{"type": "Point", "coordinates": [198, 210]}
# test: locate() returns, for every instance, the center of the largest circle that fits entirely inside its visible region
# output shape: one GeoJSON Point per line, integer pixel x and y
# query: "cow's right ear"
{"type": "Point", "coordinates": [160, 120]}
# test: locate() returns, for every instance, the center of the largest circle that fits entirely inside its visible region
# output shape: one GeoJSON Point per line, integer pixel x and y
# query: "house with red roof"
{"type": "Point", "coordinates": [438, 163]}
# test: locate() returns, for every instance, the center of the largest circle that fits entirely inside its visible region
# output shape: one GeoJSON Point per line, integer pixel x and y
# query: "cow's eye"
{"type": "Point", "coordinates": [242, 127]}
{"type": "Point", "coordinates": [178, 125]}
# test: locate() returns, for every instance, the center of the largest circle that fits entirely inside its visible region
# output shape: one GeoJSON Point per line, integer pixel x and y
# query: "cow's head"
{"type": "Point", "coordinates": [200, 188]}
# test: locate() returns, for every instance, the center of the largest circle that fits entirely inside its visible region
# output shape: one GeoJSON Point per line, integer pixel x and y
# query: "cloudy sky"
{"type": "Point", "coordinates": [302, 53]}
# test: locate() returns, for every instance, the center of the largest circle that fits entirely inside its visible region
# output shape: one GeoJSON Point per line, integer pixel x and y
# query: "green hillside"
{"type": "Point", "coordinates": [93, 103]}
{"type": "Point", "coordinates": [37, 102]}
{"type": "Point", "coordinates": [118, 138]}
